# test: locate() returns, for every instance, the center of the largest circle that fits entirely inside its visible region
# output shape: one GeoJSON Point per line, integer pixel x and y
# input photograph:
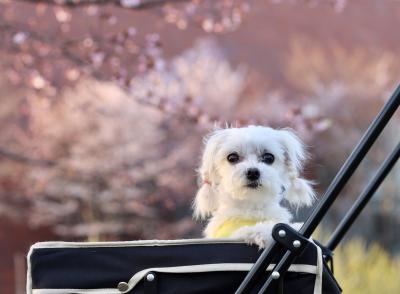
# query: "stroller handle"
{"type": "Point", "coordinates": [374, 130]}
{"type": "Point", "coordinates": [363, 199]}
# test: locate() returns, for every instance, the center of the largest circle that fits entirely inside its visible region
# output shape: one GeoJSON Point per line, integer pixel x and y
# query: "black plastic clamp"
{"type": "Point", "coordinates": [290, 238]}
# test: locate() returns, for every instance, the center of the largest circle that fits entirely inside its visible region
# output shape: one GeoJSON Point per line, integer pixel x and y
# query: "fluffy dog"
{"type": "Point", "coordinates": [243, 176]}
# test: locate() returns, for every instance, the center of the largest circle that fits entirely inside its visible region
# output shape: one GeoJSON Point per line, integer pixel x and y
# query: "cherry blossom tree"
{"type": "Point", "coordinates": [103, 133]}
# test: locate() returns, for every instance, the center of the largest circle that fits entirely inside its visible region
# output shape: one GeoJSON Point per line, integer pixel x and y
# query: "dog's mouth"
{"type": "Point", "coordinates": [253, 185]}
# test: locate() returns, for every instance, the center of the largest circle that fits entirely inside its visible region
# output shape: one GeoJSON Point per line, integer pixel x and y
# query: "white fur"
{"type": "Point", "coordinates": [224, 193]}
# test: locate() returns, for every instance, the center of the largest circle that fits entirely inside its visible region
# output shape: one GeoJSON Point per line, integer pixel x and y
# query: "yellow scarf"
{"type": "Point", "coordinates": [230, 225]}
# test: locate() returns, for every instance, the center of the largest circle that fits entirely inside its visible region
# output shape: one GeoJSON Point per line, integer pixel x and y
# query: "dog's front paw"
{"type": "Point", "coordinates": [259, 235]}
{"type": "Point", "coordinates": [296, 226]}
{"type": "Point", "coordinates": [259, 240]}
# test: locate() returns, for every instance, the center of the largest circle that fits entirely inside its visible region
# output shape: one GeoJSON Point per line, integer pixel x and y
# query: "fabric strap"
{"type": "Point", "coordinates": [302, 268]}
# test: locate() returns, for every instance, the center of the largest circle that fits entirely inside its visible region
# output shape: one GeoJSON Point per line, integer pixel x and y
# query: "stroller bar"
{"type": "Point", "coordinates": [351, 164]}
{"type": "Point", "coordinates": [348, 168]}
{"type": "Point", "coordinates": [350, 216]}
{"type": "Point", "coordinates": [363, 199]}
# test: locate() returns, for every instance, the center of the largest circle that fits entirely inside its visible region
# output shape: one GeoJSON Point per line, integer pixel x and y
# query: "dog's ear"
{"type": "Point", "coordinates": [299, 192]}
{"type": "Point", "coordinates": [206, 200]}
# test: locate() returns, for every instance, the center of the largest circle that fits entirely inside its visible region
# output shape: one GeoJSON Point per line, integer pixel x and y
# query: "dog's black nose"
{"type": "Point", "coordinates": [253, 174]}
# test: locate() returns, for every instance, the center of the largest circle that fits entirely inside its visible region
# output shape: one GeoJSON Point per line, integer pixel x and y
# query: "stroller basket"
{"type": "Point", "coordinates": [186, 266]}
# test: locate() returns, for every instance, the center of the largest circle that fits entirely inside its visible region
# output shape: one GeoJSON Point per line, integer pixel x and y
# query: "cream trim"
{"type": "Point", "coordinates": [318, 278]}
{"type": "Point", "coordinates": [213, 268]}
{"type": "Point", "coordinates": [305, 268]}
{"type": "Point", "coordinates": [75, 291]}
{"type": "Point", "coordinates": [61, 244]}
{"type": "Point", "coordinates": [28, 272]}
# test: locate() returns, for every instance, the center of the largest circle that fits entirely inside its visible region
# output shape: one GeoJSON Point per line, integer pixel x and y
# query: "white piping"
{"type": "Point", "coordinates": [28, 273]}
{"type": "Point", "coordinates": [75, 291]}
{"type": "Point", "coordinates": [60, 244]}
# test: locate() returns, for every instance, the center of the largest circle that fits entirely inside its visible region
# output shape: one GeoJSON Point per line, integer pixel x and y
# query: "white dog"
{"type": "Point", "coordinates": [244, 174]}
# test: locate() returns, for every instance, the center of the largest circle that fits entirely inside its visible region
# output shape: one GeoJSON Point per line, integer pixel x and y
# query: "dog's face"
{"type": "Point", "coordinates": [248, 162]}
{"type": "Point", "coordinates": [254, 163]}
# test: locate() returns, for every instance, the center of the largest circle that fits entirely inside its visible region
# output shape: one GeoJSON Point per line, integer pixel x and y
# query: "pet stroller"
{"type": "Point", "coordinates": [294, 263]}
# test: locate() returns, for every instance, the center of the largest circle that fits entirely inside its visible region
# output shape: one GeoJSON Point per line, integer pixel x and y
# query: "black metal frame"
{"type": "Point", "coordinates": [286, 256]}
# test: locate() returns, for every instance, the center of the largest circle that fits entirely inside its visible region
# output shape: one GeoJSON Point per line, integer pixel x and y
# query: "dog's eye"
{"type": "Point", "coordinates": [268, 158]}
{"type": "Point", "coordinates": [233, 157]}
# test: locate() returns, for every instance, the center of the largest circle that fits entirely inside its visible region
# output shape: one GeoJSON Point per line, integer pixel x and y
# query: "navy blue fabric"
{"type": "Point", "coordinates": [105, 267]}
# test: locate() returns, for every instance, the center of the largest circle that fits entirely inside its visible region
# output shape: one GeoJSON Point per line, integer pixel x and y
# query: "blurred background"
{"type": "Point", "coordinates": [104, 105]}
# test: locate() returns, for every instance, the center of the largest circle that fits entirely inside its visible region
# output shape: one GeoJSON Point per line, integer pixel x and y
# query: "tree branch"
{"type": "Point", "coordinates": [82, 63]}
{"type": "Point", "coordinates": [130, 4]}
{"type": "Point", "coordinates": [25, 159]}
{"type": "Point", "coordinates": [17, 27]}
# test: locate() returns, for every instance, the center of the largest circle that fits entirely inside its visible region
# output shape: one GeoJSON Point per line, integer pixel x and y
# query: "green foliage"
{"type": "Point", "coordinates": [366, 270]}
